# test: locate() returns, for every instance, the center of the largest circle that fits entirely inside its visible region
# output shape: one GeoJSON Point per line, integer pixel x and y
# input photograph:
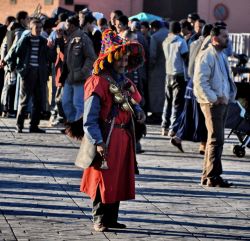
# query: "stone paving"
{"type": "Point", "coordinates": [40, 198]}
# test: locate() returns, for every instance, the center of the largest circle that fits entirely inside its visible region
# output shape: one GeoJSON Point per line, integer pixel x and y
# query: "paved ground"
{"type": "Point", "coordinates": [40, 198]}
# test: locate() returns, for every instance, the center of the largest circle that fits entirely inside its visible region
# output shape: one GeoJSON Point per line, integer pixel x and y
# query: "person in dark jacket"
{"type": "Point", "coordinates": [31, 58]}
{"type": "Point", "coordinates": [79, 57]}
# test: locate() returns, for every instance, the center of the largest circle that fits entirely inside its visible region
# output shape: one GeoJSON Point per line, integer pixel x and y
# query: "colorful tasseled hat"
{"type": "Point", "coordinates": [114, 47]}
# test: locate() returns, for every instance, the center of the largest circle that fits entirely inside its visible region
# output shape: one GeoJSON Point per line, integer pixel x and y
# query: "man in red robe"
{"type": "Point", "coordinates": [111, 104]}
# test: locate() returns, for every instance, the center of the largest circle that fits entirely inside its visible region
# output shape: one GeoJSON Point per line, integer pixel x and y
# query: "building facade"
{"type": "Point", "coordinates": [11, 7]}
{"type": "Point", "coordinates": [234, 13]}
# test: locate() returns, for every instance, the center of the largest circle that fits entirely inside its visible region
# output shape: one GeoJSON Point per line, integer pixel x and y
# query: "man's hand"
{"type": "Point", "coordinates": [101, 149]}
{"type": "Point", "coordinates": [50, 43]}
{"type": "Point", "coordinates": [2, 63]}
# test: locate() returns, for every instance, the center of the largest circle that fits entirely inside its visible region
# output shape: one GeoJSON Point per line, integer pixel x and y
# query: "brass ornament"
{"type": "Point", "coordinates": [122, 98]}
{"type": "Point", "coordinates": [119, 98]}
{"type": "Point", "coordinates": [113, 88]}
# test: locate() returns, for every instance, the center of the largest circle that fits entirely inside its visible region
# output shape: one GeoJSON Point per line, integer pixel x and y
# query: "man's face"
{"type": "Point", "coordinates": [144, 30]}
{"type": "Point", "coordinates": [198, 27]}
{"type": "Point", "coordinates": [222, 40]}
{"type": "Point", "coordinates": [91, 26]}
{"type": "Point", "coordinates": [25, 22]}
{"type": "Point", "coordinates": [185, 31]}
{"type": "Point", "coordinates": [191, 21]}
{"type": "Point", "coordinates": [120, 27]}
{"type": "Point", "coordinates": [81, 19]}
{"type": "Point", "coordinates": [36, 29]}
{"type": "Point", "coordinates": [101, 27]}
{"type": "Point", "coordinates": [69, 27]}
{"type": "Point", "coordinates": [113, 17]}
{"type": "Point", "coordinates": [121, 64]}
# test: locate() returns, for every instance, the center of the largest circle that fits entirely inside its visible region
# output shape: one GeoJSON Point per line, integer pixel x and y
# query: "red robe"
{"type": "Point", "coordinates": [118, 182]}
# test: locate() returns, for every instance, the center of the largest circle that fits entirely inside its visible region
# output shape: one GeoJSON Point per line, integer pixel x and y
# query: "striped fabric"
{"type": "Point", "coordinates": [34, 51]}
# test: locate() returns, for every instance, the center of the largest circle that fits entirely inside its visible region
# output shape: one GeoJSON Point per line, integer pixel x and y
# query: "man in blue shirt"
{"type": "Point", "coordinates": [176, 53]}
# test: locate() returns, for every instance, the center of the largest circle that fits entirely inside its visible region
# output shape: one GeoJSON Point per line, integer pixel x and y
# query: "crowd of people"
{"type": "Point", "coordinates": [115, 74]}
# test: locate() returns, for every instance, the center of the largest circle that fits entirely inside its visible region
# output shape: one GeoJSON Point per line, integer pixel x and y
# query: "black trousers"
{"type": "Point", "coordinates": [174, 100]}
{"type": "Point", "coordinates": [104, 213]}
{"type": "Point", "coordinates": [30, 88]}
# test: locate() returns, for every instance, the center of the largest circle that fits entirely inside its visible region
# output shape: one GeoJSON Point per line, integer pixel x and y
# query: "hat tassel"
{"type": "Point", "coordinates": [110, 58]}
{"type": "Point", "coordinates": [116, 55]}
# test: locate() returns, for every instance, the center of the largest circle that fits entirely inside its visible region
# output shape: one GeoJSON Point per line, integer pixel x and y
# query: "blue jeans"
{"type": "Point", "coordinates": [72, 101]}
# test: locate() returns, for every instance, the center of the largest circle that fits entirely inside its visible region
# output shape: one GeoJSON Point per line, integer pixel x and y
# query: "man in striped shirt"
{"type": "Point", "coordinates": [31, 58]}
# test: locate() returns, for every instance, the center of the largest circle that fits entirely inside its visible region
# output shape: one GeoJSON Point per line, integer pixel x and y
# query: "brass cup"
{"type": "Point", "coordinates": [118, 98]}
{"type": "Point", "coordinates": [127, 107]}
{"type": "Point", "coordinates": [104, 165]}
{"type": "Point", "coordinates": [113, 89]}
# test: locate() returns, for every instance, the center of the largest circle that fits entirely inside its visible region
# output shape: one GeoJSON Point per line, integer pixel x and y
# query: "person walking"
{"type": "Point", "coordinates": [111, 100]}
{"type": "Point", "coordinates": [214, 89]}
{"type": "Point", "coordinates": [176, 54]}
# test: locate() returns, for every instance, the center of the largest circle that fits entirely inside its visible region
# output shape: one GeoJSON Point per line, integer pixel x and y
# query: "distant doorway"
{"type": "Point", "coordinates": [170, 9]}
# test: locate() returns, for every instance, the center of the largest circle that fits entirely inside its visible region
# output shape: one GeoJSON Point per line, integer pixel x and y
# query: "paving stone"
{"type": "Point", "coordinates": [40, 198]}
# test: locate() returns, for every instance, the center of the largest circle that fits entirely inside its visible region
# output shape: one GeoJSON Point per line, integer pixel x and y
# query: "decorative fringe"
{"type": "Point", "coordinates": [101, 65]}
{"type": "Point", "coordinates": [110, 57]}
{"type": "Point", "coordinates": [75, 129]}
{"type": "Point", "coordinates": [116, 55]}
{"type": "Point", "coordinates": [96, 69]}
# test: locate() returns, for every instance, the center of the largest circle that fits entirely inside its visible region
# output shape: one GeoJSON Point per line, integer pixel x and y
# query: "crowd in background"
{"type": "Point", "coordinates": [46, 61]}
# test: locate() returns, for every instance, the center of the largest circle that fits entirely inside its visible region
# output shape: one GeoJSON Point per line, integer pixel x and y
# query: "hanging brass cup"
{"type": "Point", "coordinates": [113, 89]}
{"type": "Point", "coordinates": [104, 165]}
{"type": "Point", "coordinates": [119, 98]}
{"type": "Point", "coordinates": [127, 107]}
